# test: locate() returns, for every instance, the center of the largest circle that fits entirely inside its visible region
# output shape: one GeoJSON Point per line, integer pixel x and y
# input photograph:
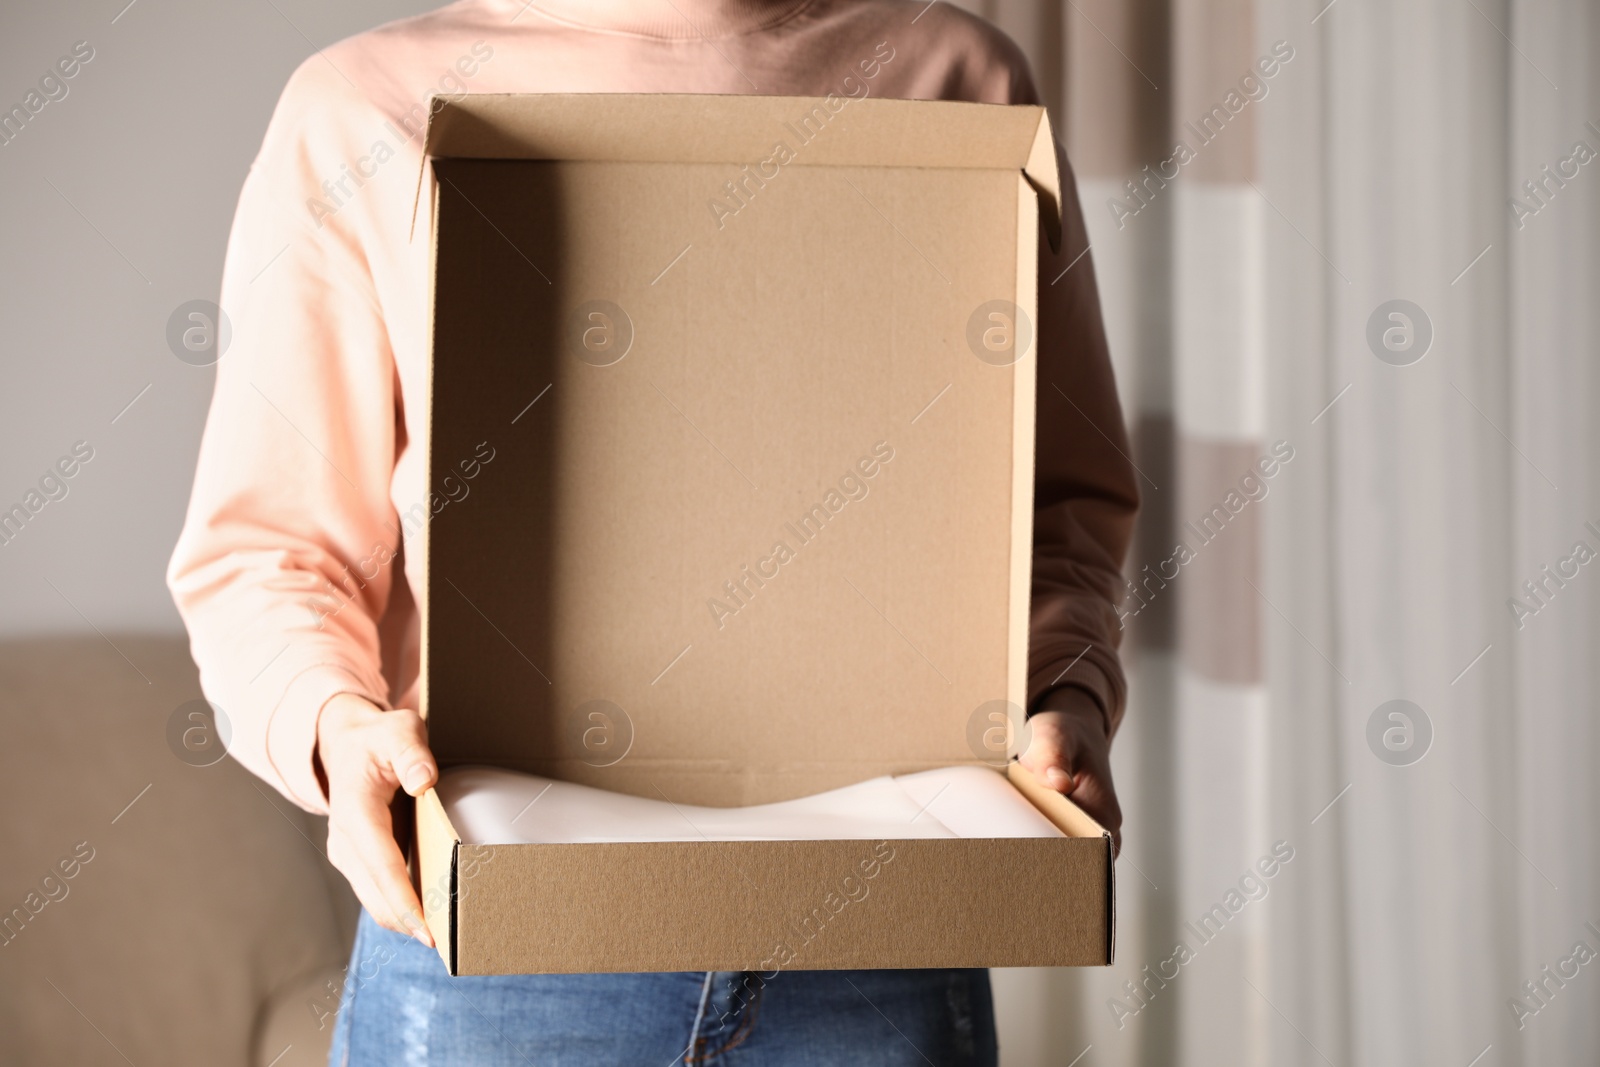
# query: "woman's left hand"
{"type": "Point", "coordinates": [1069, 751]}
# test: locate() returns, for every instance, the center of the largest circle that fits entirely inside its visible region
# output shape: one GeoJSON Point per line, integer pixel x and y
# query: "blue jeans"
{"type": "Point", "coordinates": [399, 1008]}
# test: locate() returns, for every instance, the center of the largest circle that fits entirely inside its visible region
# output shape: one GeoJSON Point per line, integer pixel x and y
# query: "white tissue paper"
{"type": "Point", "coordinates": [490, 806]}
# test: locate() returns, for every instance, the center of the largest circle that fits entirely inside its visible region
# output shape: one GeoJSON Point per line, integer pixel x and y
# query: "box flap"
{"type": "Point", "coordinates": [696, 128]}
{"type": "Point", "coordinates": [1067, 816]}
{"type": "Point", "coordinates": [434, 859]}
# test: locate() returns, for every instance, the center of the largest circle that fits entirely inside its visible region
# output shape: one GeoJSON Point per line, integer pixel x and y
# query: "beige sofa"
{"type": "Point", "coordinates": [206, 929]}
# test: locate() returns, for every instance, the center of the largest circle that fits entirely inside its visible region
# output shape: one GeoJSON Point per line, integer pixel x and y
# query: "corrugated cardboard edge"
{"type": "Point", "coordinates": [436, 846]}
{"type": "Point", "coordinates": [436, 104]}
{"type": "Point", "coordinates": [1045, 177]}
{"type": "Point", "coordinates": [1040, 168]}
{"type": "Point", "coordinates": [435, 839]}
{"type": "Point", "coordinates": [1024, 383]}
{"type": "Point", "coordinates": [423, 535]}
{"type": "Point", "coordinates": [1074, 822]}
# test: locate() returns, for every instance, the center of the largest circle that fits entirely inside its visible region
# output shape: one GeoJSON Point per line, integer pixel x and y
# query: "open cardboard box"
{"type": "Point", "coordinates": [731, 491]}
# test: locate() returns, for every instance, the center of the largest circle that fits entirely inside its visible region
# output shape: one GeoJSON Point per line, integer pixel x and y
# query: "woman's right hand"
{"type": "Point", "coordinates": [366, 754]}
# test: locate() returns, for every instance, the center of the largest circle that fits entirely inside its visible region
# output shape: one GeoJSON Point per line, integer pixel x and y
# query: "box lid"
{"type": "Point", "coordinates": [731, 494]}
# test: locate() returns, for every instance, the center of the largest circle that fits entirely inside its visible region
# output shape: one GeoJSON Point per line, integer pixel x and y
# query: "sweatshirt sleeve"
{"type": "Point", "coordinates": [1085, 492]}
{"type": "Point", "coordinates": [286, 556]}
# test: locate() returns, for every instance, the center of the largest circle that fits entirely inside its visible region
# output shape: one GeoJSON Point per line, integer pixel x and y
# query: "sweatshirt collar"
{"type": "Point", "coordinates": [669, 19]}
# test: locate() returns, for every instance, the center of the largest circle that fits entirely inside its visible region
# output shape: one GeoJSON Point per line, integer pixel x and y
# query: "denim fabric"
{"type": "Point", "coordinates": [400, 1009]}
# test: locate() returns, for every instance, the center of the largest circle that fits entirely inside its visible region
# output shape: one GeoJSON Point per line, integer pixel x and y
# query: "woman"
{"type": "Point", "coordinates": [291, 572]}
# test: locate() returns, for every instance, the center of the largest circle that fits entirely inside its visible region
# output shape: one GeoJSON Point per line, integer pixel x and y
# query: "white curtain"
{"type": "Point", "coordinates": [1440, 909]}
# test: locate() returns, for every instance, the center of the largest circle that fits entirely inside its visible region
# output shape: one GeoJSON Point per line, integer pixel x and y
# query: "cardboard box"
{"type": "Point", "coordinates": [731, 464]}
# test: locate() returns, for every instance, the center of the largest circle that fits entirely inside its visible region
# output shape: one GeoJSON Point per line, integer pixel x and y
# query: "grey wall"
{"type": "Point", "coordinates": [116, 204]}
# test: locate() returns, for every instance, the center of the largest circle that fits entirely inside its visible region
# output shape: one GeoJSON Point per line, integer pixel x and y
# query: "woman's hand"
{"type": "Point", "coordinates": [1068, 750]}
{"type": "Point", "coordinates": [366, 754]}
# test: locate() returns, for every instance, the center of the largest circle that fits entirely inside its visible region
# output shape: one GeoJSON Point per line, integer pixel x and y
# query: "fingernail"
{"type": "Point", "coordinates": [416, 777]}
{"type": "Point", "coordinates": [1058, 779]}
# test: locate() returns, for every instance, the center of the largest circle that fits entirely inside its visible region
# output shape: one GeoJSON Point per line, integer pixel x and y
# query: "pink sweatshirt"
{"type": "Point", "coordinates": [291, 573]}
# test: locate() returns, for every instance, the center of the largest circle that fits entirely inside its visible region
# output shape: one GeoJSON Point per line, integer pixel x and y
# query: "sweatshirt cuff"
{"type": "Point", "coordinates": [292, 729]}
{"type": "Point", "coordinates": [1084, 675]}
